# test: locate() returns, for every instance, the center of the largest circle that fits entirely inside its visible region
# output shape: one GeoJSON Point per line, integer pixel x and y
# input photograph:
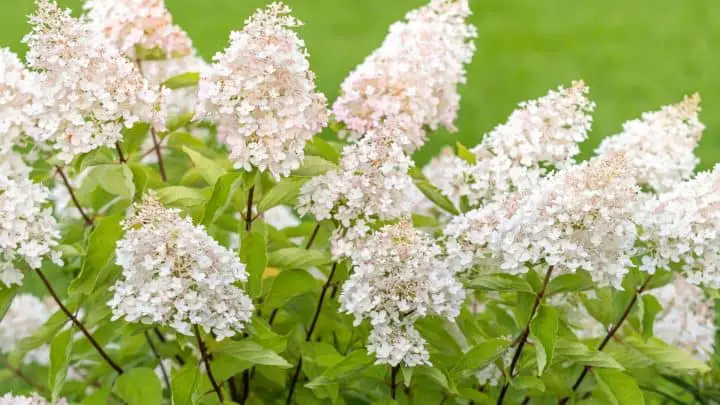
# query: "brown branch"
{"type": "Point", "coordinates": [88, 220]}
{"type": "Point", "coordinates": [206, 360]}
{"type": "Point", "coordinates": [393, 380]}
{"type": "Point", "coordinates": [121, 156]}
{"type": "Point", "coordinates": [524, 335]}
{"type": "Point", "coordinates": [610, 335]}
{"type": "Point", "coordinates": [312, 236]}
{"type": "Point", "coordinates": [248, 217]}
{"type": "Point", "coordinates": [157, 355]}
{"type": "Point", "coordinates": [79, 324]}
{"type": "Point", "coordinates": [158, 153]}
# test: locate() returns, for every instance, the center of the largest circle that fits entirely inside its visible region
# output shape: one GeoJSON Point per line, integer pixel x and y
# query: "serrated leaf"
{"type": "Point", "coordinates": [139, 386]}
{"type": "Point", "coordinates": [60, 351]}
{"type": "Point", "coordinates": [225, 188]}
{"type": "Point", "coordinates": [289, 284]}
{"type": "Point", "coordinates": [500, 282]}
{"type": "Point", "coordinates": [481, 355]}
{"type": "Point", "coordinates": [667, 357]}
{"type": "Point", "coordinates": [209, 169]}
{"type": "Point", "coordinates": [572, 282]}
{"type": "Point", "coordinates": [436, 196]}
{"type": "Point", "coordinates": [544, 328]}
{"type": "Point", "coordinates": [188, 79]}
{"type": "Point", "coordinates": [100, 249]}
{"type": "Point", "coordinates": [618, 387]}
{"type": "Point", "coordinates": [297, 258]}
{"type": "Point", "coordinates": [580, 354]}
{"type": "Point", "coordinates": [314, 166]}
{"type": "Point", "coordinates": [253, 252]}
{"type": "Point", "coordinates": [250, 352]}
{"type": "Point", "coordinates": [284, 192]}
{"type": "Point", "coordinates": [116, 179]}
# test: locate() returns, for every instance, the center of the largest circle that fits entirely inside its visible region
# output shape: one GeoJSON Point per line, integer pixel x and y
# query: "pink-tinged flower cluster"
{"type": "Point", "coordinates": [659, 146]}
{"type": "Point", "coordinates": [683, 226]}
{"type": "Point", "coordinates": [261, 94]}
{"type": "Point", "coordinates": [133, 24]}
{"type": "Point", "coordinates": [91, 90]}
{"type": "Point", "coordinates": [413, 76]}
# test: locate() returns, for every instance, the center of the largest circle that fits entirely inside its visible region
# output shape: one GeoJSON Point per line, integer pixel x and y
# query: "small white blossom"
{"type": "Point", "coordinates": [178, 102]}
{"type": "Point", "coordinates": [280, 217]}
{"type": "Point", "coordinates": [372, 182]}
{"type": "Point", "coordinates": [261, 94]}
{"type": "Point", "coordinates": [579, 218]}
{"type": "Point", "coordinates": [659, 146]}
{"type": "Point", "coordinates": [20, 108]}
{"type": "Point", "coordinates": [28, 231]}
{"type": "Point", "coordinates": [174, 273]}
{"type": "Point", "coordinates": [413, 76]}
{"type": "Point", "coordinates": [683, 226]}
{"type": "Point", "coordinates": [145, 24]}
{"type": "Point", "coordinates": [398, 277]}
{"type": "Point", "coordinates": [687, 319]}
{"type": "Point", "coordinates": [92, 91]}
{"type": "Point", "coordinates": [25, 316]}
{"type": "Point", "coordinates": [35, 399]}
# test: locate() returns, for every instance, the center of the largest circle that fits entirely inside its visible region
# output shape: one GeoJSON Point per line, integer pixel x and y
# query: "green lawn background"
{"type": "Point", "coordinates": [635, 54]}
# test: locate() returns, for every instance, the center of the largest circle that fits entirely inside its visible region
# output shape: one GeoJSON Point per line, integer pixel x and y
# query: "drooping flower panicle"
{"type": "Point", "coordinates": [261, 94]}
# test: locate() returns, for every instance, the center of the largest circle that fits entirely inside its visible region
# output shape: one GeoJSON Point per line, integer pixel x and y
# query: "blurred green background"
{"type": "Point", "coordinates": [636, 55]}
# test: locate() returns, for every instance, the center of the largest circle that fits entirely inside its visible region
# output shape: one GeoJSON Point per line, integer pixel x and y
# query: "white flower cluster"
{"type": "Point", "coordinates": [146, 24]}
{"type": "Point", "coordinates": [683, 226]}
{"type": "Point", "coordinates": [35, 399]}
{"type": "Point", "coordinates": [261, 94]}
{"type": "Point", "coordinates": [579, 218]}
{"type": "Point", "coordinates": [413, 76]}
{"type": "Point", "coordinates": [373, 181]}
{"type": "Point", "coordinates": [659, 146]}
{"type": "Point", "coordinates": [180, 101]}
{"type": "Point", "coordinates": [91, 90]}
{"type": "Point", "coordinates": [398, 277]}
{"type": "Point", "coordinates": [687, 318]}
{"type": "Point", "coordinates": [174, 273]}
{"type": "Point", "coordinates": [25, 316]}
{"type": "Point", "coordinates": [20, 107]}
{"type": "Point", "coordinates": [541, 135]}
{"type": "Point", "coordinates": [28, 231]}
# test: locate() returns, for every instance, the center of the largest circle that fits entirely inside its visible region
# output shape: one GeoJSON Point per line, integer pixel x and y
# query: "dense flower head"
{"type": "Point", "coordinates": [28, 231]}
{"type": "Point", "coordinates": [399, 276]}
{"type": "Point", "coordinates": [413, 76]}
{"type": "Point", "coordinates": [687, 318]}
{"type": "Point", "coordinates": [24, 317]}
{"type": "Point", "coordinates": [20, 107]}
{"type": "Point", "coordinates": [683, 226]}
{"type": "Point", "coordinates": [92, 91]}
{"type": "Point", "coordinates": [261, 94]}
{"type": "Point", "coordinates": [35, 399]}
{"type": "Point", "coordinates": [579, 218]}
{"type": "Point", "coordinates": [133, 24]}
{"type": "Point", "coordinates": [659, 146]}
{"type": "Point", "coordinates": [174, 273]}
{"type": "Point", "coordinates": [372, 182]}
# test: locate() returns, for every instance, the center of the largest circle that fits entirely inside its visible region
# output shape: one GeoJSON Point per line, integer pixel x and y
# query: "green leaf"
{"type": "Point", "coordinates": [60, 350]}
{"type": "Point", "coordinates": [249, 352]}
{"type": "Point", "coordinates": [544, 327]}
{"type": "Point", "coordinates": [465, 154]}
{"type": "Point", "coordinates": [500, 282]}
{"type": "Point", "coordinates": [572, 282]}
{"type": "Point", "coordinates": [209, 169]}
{"type": "Point", "coordinates": [100, 250]}
{"type": "Point", "coordinates": [481, 355]}
{"type": "Point", "coordinates": [650, 308]}
{"type": "Point", "coordinates": [116, 179]}
{"type": "Point", "coordinates": [180, 139]}
{"type": "Point", "coordinates": [289, 284]}
{"type": "Point", "coordinates": [253, 252]}
{"type": "Point", "coordinates": [189, 79]}
{"type": "Point", "coordinates": [284, 192]}
{"type": "Point", "coordinates": [225, 188]}
{"type": "Point", "coordinates": [139, 386]}
{"type": "Point", "coordinates": [667, 357]}
{"type": "Point", "coordinates": [297, 258]}
{"type": "Point", "coordinates": [179, 196]}
{"type": "Point", "coordinates": [580, 354]}
{"type": "Point", "coordinates": [618, 387]}
{"type": "Point", "coordinates": [141, 177]}
{"type": "Point", "coordinates": [324, 149]}
{"type": "Point", "coordinates": [186, 384]}
{"type": "Point", "coordinates": [99, 397]}
{"type": "Point", "coordinates": [527, 382]}
{"type": "Point", "coordinates": [6, 298]}
{"type": "Point", "coordinates": [436, 196]}
{"type": "Point", "coordinates": [348, 367]}
{"type": "Point", "coordinates": [314, 166]}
